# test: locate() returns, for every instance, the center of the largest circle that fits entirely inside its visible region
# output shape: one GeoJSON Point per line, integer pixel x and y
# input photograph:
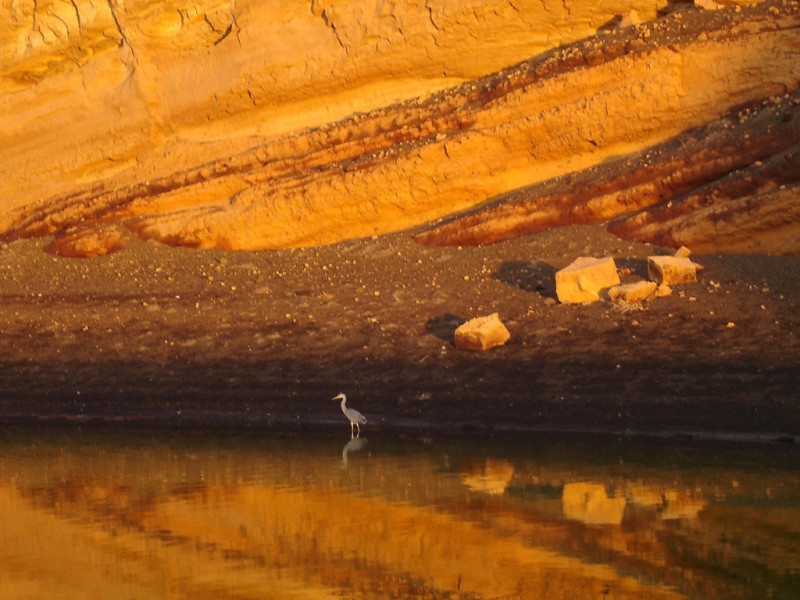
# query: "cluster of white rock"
{"type": "Point", "coordinates": [586, 280]}
{"type": "Point", "coordinates": [589, 279]}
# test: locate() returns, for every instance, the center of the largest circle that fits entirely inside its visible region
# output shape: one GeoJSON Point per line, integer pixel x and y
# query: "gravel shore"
{"type": "Point", "coordinates": [265, 339]}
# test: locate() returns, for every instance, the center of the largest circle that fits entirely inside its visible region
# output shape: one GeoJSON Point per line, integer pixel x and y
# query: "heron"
{"type": "Point", "coordinates": [356, 418]}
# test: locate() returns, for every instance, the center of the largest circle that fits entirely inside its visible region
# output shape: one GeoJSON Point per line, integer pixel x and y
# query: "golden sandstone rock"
{"type": "Point", "coordinates": [631, 293]}
{"type": "Point", "coordinates": [89, 241]}
{"type": "Point", "coordinates": [262, 125]}
{"type": "Point", "coordinates": [670, 270]}
{"type": "Point", "coordinates": [481, 333]}
{"type": "Point", "coordinates": [585, 279]}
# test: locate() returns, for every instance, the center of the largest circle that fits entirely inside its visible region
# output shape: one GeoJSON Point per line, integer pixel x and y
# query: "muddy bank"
{"type": "Point", "coordinates": [169, 335]}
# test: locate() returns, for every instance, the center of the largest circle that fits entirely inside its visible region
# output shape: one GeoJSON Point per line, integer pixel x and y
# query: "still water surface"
{"type": "Point", "coordinates": [134, 514]}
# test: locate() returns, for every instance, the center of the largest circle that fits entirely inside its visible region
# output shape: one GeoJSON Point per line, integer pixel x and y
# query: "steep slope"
{"type": "Point", "coordinates": [731, 185]}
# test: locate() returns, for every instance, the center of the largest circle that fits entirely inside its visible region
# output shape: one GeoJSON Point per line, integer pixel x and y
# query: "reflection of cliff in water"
{"type": "Point", "coordinates": [200, 517]}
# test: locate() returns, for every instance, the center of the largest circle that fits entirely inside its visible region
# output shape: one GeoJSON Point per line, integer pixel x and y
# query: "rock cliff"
{"type": "Point", "coordinates": [247, 125]}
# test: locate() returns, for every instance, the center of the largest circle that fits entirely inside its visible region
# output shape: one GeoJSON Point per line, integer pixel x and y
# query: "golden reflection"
{"type": "Point", "coordinates": [489, 476]}
{"type": "Point", "coordinates": [137, 521]}
{"type": "Point", "coordinates": [593, 504]}
{"type": "Point", "coordinates": [590, 503]}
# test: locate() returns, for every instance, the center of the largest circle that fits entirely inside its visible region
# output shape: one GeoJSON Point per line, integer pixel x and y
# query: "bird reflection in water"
{"type": "Point", "coordinates": [354, 445]}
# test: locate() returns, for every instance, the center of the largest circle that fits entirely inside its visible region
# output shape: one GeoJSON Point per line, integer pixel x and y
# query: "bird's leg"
{"type": "Point", "coordinates": [358, 429]}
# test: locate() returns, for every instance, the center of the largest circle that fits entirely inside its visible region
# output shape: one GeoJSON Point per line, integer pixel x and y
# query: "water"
{"type": "Point", "coordinates": [135, 514]}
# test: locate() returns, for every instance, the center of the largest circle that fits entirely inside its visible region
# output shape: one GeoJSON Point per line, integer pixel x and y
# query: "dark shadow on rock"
{"type": "Point", "coordinates": [611, 25]}
{"type": "Point", "coordinates": [532, 276]}
{"type": "Point", "coordinates": [631, 269]}
{"type": "Point", "coordinates": [444, 326]}
{"type": "Point", "coordinates": [674, 6]}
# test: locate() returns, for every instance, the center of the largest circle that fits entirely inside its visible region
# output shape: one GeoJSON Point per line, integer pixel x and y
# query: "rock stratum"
{"type": "Point", "coordinates": [248, 125]}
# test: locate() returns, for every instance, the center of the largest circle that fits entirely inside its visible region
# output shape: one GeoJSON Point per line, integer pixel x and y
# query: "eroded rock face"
{"type": "Point", "coordinates": [261, 125]}
{"type": "Point", "coordinates": [729, 186]}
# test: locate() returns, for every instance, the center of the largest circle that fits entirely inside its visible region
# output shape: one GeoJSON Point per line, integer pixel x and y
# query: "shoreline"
{"type": "Point", "coordinates": [265, 339]}
{"type": "Point", "coordinates": [287, 425]}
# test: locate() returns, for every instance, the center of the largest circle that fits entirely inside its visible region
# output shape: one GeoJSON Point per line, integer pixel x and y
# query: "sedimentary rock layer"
{"type": "Point", "coordinates": [732, 184]}
{"type": "Point", "coordinates": [125, 92]}
{"type": "Point", "coordinates": [249, 127]}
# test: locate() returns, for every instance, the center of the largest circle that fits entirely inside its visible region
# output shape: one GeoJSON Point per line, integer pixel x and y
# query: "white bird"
{"type": "Point", "coordinates": [356, 418]}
